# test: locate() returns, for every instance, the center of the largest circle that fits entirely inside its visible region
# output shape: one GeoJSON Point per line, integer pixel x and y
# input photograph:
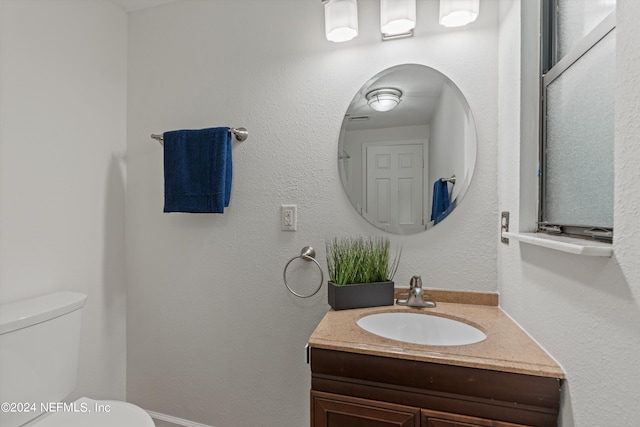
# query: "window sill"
{"type": "Point", "coordinates": [563, 243]}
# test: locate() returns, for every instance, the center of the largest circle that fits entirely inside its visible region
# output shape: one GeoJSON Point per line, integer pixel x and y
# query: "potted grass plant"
{"type": "Point", "coordinates": [360, 272]}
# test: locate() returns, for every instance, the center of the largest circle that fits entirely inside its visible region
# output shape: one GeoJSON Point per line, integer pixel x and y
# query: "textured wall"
{"type": "Point", "coordinates": [584, 311]}
{"type": "Point", "coordinates": [63, 83]}
{"type": "Point", "coordinates": [627, 149]}
{"type": "Point", "coordinates": [213, 335]}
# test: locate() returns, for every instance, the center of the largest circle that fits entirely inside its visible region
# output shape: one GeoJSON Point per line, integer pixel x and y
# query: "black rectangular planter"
{"type": "Point", "coordinates": [360, 295]}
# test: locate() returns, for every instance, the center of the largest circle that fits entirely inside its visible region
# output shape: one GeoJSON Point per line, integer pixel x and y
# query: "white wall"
{"type": "Point", "coordinates": [448, 136]}
{"type": "Point", "coordinates": [211, 326]}
{"type": "Point", "coordinates": [584, 311]}
{"type": "Point", "coordinates": [213, 335]}
{"type": "Point", "coordinates": [62, 145]}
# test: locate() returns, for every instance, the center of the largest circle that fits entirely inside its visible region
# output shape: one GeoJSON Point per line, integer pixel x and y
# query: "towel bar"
{"type": "Point", "coordinates": [451, 180]}
{"type": "Point", "coordinates": [240, 134]}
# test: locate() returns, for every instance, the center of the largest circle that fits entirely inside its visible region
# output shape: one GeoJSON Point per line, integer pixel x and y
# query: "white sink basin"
{"type": "Point", "coordinates": [417, 328]}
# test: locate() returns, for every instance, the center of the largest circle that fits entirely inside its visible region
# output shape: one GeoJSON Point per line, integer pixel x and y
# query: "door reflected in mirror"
{"type": "Point", "coordinates": [406, 168]}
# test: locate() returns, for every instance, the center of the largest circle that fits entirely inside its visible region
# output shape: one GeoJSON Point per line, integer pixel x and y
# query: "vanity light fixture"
{"type": "Point", "coordinates": [340, 19]}
{"type": "Point", "coordinates": [384, 99]}
{"type": "Point", "coordinates": [397, 18]}
{"type": "Point", "coordinates": [456, 13]}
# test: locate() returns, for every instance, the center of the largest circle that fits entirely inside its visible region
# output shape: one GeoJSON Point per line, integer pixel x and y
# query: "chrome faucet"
{"type": "Point", "coordinates": [415, 295]}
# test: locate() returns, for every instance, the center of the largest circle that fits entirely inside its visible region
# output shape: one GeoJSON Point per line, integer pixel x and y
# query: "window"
{"type": "Point", "coordinates": [577, 111]}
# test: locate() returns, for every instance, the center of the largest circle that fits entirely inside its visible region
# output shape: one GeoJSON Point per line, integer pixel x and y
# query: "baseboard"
{"type": "Point", "coordinates": [175, 420]}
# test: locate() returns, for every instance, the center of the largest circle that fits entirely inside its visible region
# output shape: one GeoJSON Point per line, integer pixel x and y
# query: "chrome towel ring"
{"type": "Point", "coordinates": [308, 254]}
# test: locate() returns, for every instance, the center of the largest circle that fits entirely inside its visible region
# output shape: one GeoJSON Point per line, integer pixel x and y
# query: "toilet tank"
{"type": "Point", "coordinates": [39, 351]}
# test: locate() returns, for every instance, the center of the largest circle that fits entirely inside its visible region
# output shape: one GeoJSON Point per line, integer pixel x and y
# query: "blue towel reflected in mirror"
{"type": "Point", "coordinates": [440, 207]}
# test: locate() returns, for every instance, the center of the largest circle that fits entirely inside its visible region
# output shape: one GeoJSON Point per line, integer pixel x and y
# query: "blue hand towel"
{"type": "Point", "coordinates": [440, 205]}
{"type": "Point", "coordinates": [197, 170]}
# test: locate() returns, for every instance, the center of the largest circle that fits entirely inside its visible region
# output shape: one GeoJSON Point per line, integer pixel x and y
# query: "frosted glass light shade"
{"type": "Point", "coordinates": [397, 16]}
{"type": "Point", "coordinates": [341, 20]}
{"type": "Point", "coordinates": [456, 13]}
{"type": "Point", "coordinates": [384, 99]}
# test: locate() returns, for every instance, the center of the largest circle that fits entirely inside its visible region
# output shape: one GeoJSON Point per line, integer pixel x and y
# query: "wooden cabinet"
{"type": "Point", "coordinates": [353, 390]}
{"type": "Point", "coordinates": [444, 419]}
{"type": "Point", "coordinates": [332, 410]}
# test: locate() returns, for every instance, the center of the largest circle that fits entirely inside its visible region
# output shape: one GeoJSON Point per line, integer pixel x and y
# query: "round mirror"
{"type": "Point", "coordinates": [407, 149]}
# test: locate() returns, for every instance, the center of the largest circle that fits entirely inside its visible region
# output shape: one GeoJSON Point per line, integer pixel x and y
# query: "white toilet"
{"type": "Point", "coordinates": [39, 350]}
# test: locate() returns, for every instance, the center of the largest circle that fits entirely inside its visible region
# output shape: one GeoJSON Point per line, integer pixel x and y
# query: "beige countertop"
{"type": "Point", "coordinates": [507, 347]}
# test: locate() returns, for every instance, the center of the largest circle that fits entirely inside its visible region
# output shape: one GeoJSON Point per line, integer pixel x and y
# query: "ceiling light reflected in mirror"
{"type": "Point", "coordinates": [385, 99]}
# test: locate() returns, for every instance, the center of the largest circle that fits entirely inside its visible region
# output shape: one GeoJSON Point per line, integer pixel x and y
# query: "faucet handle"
{"type": "Point", "coordinates": [415, 282]}
{"type": "Point", "coordinates": [415, 298]}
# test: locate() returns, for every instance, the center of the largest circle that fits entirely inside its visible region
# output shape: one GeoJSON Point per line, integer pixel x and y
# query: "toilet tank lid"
{"type": "Point", "coordinates": [20, 314]}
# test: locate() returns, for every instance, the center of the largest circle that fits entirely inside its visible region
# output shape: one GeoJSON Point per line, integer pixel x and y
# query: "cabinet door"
{"type": "Point", "coordinates": [333, 410]}
{"type": "Point", "coordinates": [445, 419]}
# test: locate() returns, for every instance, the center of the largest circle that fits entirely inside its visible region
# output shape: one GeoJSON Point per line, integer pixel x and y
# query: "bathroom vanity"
{"type": "Point", "coordinates": [362, 379]}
